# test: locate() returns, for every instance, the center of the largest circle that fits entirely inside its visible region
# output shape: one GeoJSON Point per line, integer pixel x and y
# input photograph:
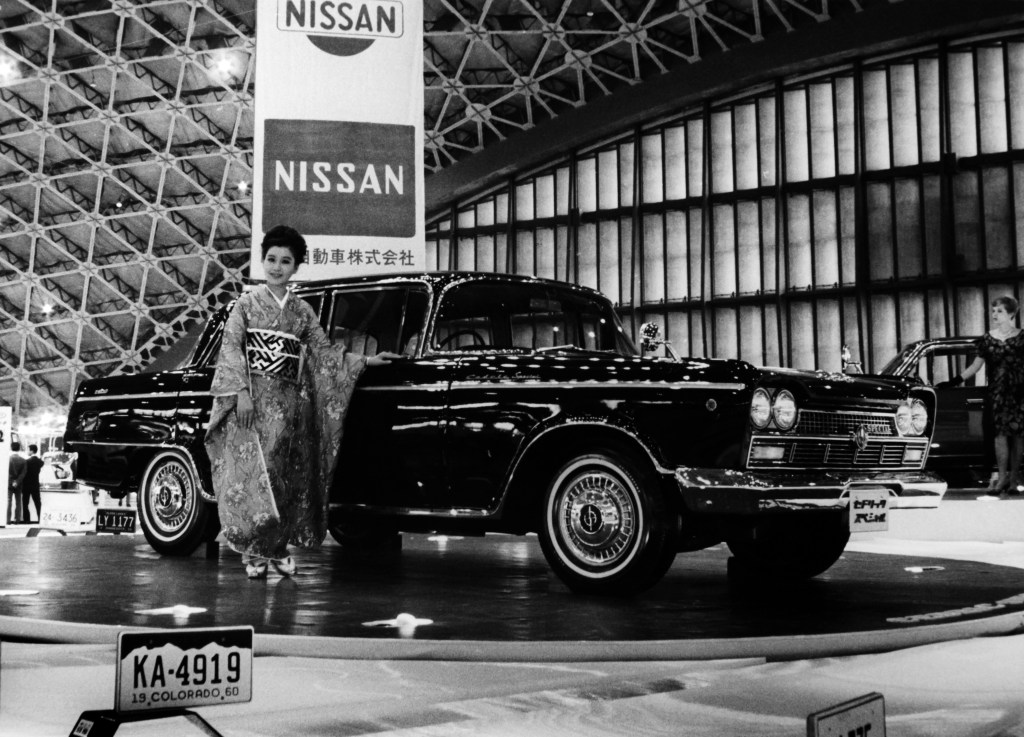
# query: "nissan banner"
{"type": "Point", "coordinates": [338, 133]}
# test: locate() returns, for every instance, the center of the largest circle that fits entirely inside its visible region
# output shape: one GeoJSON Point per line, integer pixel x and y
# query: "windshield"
{"type": "Point", "coordinates": [526, 317]}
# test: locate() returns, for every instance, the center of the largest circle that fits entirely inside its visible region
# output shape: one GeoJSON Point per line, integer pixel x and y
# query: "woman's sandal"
{"type": "Point", "coordinates": [255, 567]}
{"type": "Point", "coordinates": [285, 566]}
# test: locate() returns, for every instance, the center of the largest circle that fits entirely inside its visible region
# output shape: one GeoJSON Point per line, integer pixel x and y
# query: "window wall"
{"type": "Point", "coordinates": [870, 205]}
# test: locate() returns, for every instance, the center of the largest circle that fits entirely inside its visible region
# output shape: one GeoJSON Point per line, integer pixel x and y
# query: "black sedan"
{"type": "Point", "coordinates": [522, 406]}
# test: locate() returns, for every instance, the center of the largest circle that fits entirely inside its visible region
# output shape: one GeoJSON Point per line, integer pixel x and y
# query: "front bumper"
{"type": "Point", "coordinates": [723, 491]}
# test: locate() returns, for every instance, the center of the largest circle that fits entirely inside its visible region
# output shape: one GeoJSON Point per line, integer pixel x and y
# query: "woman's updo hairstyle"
{"type": "Point", "coordinates": [1009, 304]}
{"type": "Point", "coordinates": [283, 236]}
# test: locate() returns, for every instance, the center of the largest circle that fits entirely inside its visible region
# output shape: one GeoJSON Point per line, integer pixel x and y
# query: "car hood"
{"type": "Point", "coordinates": [825, 387]}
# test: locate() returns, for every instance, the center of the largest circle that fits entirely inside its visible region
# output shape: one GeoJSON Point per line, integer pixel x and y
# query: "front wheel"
{"type": "Point", "coordinates": [606, 528]}
{"type": "Point", "coordinates": [173, 516]}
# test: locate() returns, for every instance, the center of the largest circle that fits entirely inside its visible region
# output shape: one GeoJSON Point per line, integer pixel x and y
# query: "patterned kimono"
{"type": "Point", "coordinates": [272, 480]}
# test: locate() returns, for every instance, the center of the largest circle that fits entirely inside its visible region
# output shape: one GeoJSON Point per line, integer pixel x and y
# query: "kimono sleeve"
{"type": "Point", "coordinates": [232, 373]}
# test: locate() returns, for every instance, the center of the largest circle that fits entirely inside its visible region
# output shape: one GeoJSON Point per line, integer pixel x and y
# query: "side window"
{"type": "Point", "coordinates": [468, 319]}
{"type": "Point", "coordinates": [523, 317]}
{"type": "Point", "coordinates": [943, 365]}
{"type": "Point", "coordinates": [369, 321]}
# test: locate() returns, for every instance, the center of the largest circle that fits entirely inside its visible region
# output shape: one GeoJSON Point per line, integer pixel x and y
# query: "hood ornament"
{"type": "Point", "coordinates": [860, 437]}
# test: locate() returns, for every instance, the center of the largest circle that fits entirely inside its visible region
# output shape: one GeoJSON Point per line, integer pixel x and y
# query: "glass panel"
{"type": "Point", "coordinates": [652, 173]}
{"type": "Point", "coordinates": [845, 129]}
{"type": "Point", "coordinates": [624, 173]}
{"type": "Point", "coordinates": [879, 240]}
{"type": "Point", "coordinates": [798, 167]}
{"type": "Point", "coordinates": [751, 335]}
{"type": "Point", "coordinates": [909, 239]}
{"type": "Point", "coordinates": [586, 184]}
{"type": "Point", "coordinates": [963, 123]}
{"type": "Point", "coordinates": [999, 248]}
{"type": "Point", "coordinates": [675, 162]}
{"type": "Point", "coordinates": [766, 130]}
{"type": "Point", "coordinates": [608, 179]}
{"type": "Point", "coordinates": [928, 94]}
{"type": "Point", "coordinates": [721, 152]}
{"type": "Point", "coordinates": [608, 259]}
{"type": "Point", "coordinates": [545, 196]}
{"type": "Point", "coordinates": [876, 120]}
{"type": "Point", "coordinates": [904, 121]}
{"type": "Point", "coordinates": [967, 229]}
{"type": "Point", "coordinates": [823, 131]}
{"type": "Point", "coordinates": [370, 321]}
{"type": "Point", "coordinates": [826, 242]}
{"type": "Point", "coordinates": [992, 99]}
{"type": "Point", "coordinates": [653, 261]}
{"type": "Point", "coordinates": [726, 333]}
{"type": "Point", "coordinates": [749, 247]}
{"type": "Point", "coordinates": [745, 137]}
{"type": "Point", "coordinates": [798, 243]}
{"type": "Point", "coordinates": [677, 248]}
{"type": "Point", "coordinates": [724, 270]}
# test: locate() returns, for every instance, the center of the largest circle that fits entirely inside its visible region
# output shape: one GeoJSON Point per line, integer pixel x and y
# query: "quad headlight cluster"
{"type": "Point", "coordinates": [768, 408]}
{"type": "Point", "coordinates": [912, 418]}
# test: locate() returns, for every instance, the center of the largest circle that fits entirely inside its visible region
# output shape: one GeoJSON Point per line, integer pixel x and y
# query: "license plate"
{"type": "Point", "coordinates": [174, 669]}
{"type": "Point", "coordinates": [869, 510]}
{"type": "Point", "coordinates": [115, 520]}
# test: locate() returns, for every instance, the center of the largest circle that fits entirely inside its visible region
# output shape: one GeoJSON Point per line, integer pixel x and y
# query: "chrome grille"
{"type": "Point", "coordinates": [838, 453]}
{"type": "Point", "coordinates": [816, 422]}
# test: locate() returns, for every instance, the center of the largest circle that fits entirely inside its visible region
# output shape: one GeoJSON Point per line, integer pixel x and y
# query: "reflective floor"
{"type": "Point", "coordinates": [493, 588]}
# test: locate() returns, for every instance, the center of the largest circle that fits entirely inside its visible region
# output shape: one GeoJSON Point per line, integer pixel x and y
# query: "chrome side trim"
{"type": "Point", "coordinates": [448, 514]}
{"type": "Point", "coordinates": [539, 384]}
{"type": "Point", "coordinates": [150, 395]}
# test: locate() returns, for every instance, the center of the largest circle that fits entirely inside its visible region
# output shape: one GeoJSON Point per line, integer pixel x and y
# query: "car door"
{"type": "Point", "coordinates": [391, 453]}
{"type": "Point", "coordinates": [963, 433]}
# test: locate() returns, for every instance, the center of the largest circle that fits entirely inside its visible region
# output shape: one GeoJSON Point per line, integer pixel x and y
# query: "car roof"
{"type": "Point", "coordinates": [438, 281]}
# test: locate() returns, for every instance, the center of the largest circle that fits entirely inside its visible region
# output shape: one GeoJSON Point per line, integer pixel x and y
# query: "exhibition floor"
{"type": "Point", "coordinates": [577, 666]}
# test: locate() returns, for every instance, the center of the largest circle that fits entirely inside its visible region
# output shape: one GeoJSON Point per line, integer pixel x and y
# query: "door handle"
{"type": "Point", "coordinates": [973, 402]}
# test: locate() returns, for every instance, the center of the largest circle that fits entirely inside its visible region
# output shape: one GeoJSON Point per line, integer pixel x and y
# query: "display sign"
{"type": "Point", "coordinates": [869, 510]}
{"type": "Point", "coordinates": [339, 134]}
{"type": "Point", "coordinates": [115, 520]}
{"type": "Point", "coordinates": [6, 422]}
{"type": "Point", "coordinates": [178, 669]}
{"type": "Point", "coordinates": [861, 717]}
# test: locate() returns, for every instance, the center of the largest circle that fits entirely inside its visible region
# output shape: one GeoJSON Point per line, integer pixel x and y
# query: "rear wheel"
{"type": "Point", "coordinates": [173, 515]}
{"type": "Point", "coordinates": [606, 527]}
{"type": "Point", "coordinates": [796, 547]}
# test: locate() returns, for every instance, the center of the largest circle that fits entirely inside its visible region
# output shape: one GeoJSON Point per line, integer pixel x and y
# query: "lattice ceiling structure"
{"type": "Point", "coordinates": [126, 145]}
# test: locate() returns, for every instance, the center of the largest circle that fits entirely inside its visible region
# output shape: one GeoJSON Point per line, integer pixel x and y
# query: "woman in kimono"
{"type": "Point", "coordinates": [280, 396]}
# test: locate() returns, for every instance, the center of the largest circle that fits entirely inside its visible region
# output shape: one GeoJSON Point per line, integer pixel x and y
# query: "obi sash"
{"type": "Point", "coordinates": [272, 352]}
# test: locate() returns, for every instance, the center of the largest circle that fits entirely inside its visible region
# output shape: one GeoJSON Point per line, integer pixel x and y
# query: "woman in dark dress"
{"type": "Point", "coordinates": [1001, 349]}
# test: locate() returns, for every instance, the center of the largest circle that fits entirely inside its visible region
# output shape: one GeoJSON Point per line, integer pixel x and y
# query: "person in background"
{"type": "Point", "coordinates": [1001, 350]}
{"type": "Point", "coordinates": [281, 391]}
{"type": "Point", "coordinates": [30, 487]}
{"type": "Point", "coordinates": [15, 478]}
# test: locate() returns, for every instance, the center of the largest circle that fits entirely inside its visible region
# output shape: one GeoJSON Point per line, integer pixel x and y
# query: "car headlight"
{"type": "Point", "coordinates": [904, 419]}
{"type": "Point", "coordinates": [784, 410]}
{"type": "Point", "coordinates": [918, 417]}
{"type": "Point", "coordinates": [760, 409]}
{"type": "Point", "coordinates": [912, 418]}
